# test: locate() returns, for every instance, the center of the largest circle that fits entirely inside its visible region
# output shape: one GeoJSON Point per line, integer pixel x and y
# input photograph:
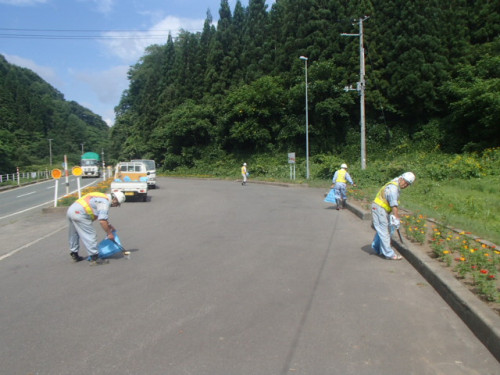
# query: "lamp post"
{"type": "Point", "coordinates": [50, 150]}
{"type": "Point", "coordinates": [307, 120]}
{"type": "Point", "coordinates": [82, 147]}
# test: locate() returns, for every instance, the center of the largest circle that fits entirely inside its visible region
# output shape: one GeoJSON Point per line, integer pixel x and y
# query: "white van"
{"type": "Point", "coordinates": [151, 169]}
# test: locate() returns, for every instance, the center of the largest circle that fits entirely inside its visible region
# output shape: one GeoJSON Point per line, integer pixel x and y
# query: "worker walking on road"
{"type": "Point", "coordinates": [339, 184]}
{"type": "Point", "coordinates": [385, 214]}
{"type": "Point", "coordinates": [81, 214]}
{"type": "Point", "coordinates": [244, 173]}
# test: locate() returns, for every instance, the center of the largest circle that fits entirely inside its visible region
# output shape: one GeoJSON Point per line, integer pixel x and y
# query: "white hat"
{"type": "Point", "coordinates": [408, 177]}
{"type": "Point", "coordinates": [244, 163]}
{"type": "Point", "coordinates": [118, 195]}
{"type": "Point", "coordinates": [344, 165]}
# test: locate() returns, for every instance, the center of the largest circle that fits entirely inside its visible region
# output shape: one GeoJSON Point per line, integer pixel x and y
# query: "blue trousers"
{"type": "Point", "coordinates": [382, 241]}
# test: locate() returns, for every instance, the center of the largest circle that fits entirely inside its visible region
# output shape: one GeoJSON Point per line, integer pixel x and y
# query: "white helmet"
{"type": "Point", "coordinates": [120, 197]}
{"type": "Point", "coordinates": [408, 177]}
{"type": "Point", "coordinates": [344, 166]}
{"type": "Point", "coordinates": [245, 164]}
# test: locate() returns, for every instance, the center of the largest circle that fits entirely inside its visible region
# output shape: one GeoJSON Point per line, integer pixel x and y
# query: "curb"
{"type": "Point", "coordinates": [480, 319]}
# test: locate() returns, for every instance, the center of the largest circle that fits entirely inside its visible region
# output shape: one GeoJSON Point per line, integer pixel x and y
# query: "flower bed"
{"type": "Point", "coordinates": [473, 261]}
{"type": "Point", "coordinates": [101, 187]}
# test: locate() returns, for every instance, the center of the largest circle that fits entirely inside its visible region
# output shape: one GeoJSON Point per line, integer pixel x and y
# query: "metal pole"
{"type": "Point", "coordinates": [362, 94]}
{"type": "Point", "coordinates": [50, 150]}
{"type": "Point", "coordinates": [361, 89]}
{"type": "Point", "coordinates": [307, 120]}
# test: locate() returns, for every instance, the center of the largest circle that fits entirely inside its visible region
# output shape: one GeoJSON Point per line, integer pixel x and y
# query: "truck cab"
{"type": "Point", "coordinates": [90, 163]}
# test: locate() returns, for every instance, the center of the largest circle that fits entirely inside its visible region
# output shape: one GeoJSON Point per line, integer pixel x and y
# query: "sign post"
{"type": "Point", "coordinates": [66, 173]}
{"type": "Point", "coordinates": [291, 161]}
{"type": "Point", "coordinates": [77, 172]}
{"type": "Point", "coordinates": [56, 175]}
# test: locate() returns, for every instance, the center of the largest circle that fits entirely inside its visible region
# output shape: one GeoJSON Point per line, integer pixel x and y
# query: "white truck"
{"type": "Point", "coordinates": [151, 168]}
{"type": "Point", "coordinates": [131, 179]}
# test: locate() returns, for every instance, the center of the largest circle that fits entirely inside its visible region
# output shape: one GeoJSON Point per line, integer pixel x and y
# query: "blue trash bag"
{"type": "Point", "coordinates": [107, 247]}
{"type": "Point", "coordinates": [330, 198]}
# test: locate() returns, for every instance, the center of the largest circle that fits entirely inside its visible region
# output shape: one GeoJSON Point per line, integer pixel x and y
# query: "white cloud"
{"type": "Point", "coordinates": [48, 74]}
{"type": "Point", "coordinates": [129, 46]}
{"type": "Point", "coordinates": [22, 2]}
{"type": "Point", "coordinates": [108, 86]}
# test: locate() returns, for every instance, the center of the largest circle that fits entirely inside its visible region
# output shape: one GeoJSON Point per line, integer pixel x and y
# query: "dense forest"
{"type": "Point", "coordinates": [32, 112]}
{"type": "Point", "coordinates": [237, 87]}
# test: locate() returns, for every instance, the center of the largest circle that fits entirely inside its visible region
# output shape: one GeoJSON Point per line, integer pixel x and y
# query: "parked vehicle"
{"type": "Point", "coordinates": [151, 168]}
{"type": "Point", "coordinates": [91, 164]}
{"type": "Point", "coordinates": [131, 179]}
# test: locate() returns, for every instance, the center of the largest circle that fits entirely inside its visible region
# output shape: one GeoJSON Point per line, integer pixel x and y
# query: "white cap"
{"type": "Point", "coordinates": [408, 177]}
{"type": "Point", "coordinates": [244, 163]}
{"type": "Point", "coordinates": [120, 197]}
{"type": "Point", "coordinates": [344, 165]}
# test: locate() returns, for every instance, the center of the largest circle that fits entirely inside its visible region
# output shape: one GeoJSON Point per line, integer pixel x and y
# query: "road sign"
{"type": "Point", "coordinates": [77, 170]}
{"type": "Point", "coordinates": [291, 158]}
{"type": "Point", "coordinates": [56, 173]}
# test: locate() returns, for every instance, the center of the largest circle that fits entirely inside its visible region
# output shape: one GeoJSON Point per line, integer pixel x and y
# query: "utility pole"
{"type": "Point", "coordinates": [50, 150]}
{"type": "Point", "coordinates": [360, 87]}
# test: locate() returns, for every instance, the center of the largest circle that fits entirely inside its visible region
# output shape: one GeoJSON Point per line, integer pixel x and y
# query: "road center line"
{"type": "Point", "coordinates": [23, 195]}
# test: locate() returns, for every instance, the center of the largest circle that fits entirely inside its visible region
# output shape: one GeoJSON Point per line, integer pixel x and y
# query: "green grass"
{"type": "Point", "coordinates": [470, 205]}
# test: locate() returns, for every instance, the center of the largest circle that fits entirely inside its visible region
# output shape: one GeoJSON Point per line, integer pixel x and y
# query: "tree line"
{"type": "Point", "coordinates": [32, 112]}
{"type": "Point", "coordinates": [237, 87]}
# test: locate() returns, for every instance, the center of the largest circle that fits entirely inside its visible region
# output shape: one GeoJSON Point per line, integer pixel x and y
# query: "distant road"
{"type": "Point", "coordinates": [19, 200]}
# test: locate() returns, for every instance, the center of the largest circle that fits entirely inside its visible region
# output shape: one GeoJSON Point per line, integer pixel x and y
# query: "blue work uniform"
{"type": "Point", "coordinates": [340, 178]}
{"type": "Point", "coordinates": [81, 214]}
{"type": "Point", "coordinates": [387, 198]}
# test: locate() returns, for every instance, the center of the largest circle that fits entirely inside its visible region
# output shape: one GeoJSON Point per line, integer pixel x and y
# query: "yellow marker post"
{"type": "Point", "coordinates": [56, 175]}
{"type": "Point", "coordinates": [77, 172]}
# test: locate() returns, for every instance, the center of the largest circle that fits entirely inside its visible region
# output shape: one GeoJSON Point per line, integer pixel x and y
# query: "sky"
{"type": "Point", "coordinates": [84, 48]}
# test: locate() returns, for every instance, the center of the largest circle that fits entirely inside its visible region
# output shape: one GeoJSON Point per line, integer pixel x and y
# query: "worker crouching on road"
{"type": "Point", "coordinates": [81, 214]}
{"type": "Point", "coordinates": [385, 214]}
{"type": "Point", "coordinates": [339, 184]}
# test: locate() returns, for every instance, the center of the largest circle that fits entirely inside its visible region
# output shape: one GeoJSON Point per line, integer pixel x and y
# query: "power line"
{"type": "Point", "coordinates": [76, 34]}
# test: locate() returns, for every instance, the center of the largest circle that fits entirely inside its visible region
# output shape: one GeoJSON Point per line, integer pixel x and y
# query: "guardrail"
{"type": "Point", "coordinates": [23, 177]}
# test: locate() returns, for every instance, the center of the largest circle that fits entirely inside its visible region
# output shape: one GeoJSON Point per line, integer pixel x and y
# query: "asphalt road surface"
{"type": "Point", "coordinates": [224, 279]}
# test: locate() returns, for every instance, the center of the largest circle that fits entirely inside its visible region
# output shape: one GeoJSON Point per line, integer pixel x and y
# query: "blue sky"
{"type": "Point", "coordinates": [84, 48]}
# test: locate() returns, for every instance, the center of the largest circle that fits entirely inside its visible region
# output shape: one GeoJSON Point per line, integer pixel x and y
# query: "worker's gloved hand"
{"type": "Point", "coordinates": [394, 221]}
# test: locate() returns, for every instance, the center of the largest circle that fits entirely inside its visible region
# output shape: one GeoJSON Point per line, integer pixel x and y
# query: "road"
{"type": "Point", "coordinates": [28, 197]}
{"type": "Point", "coordinates": [224, 279]}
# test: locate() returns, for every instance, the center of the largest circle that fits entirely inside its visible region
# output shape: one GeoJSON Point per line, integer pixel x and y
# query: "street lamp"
{"type": "Point", "coordinates": [50, 150]}
{"type": "Point", "coordinates": [82, 147]}
{"type": "Point", "coordinates": [307, 121]}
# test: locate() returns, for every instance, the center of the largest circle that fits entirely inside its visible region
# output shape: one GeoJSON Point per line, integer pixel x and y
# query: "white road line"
{"type": "Point", "coordinates": [23, 195]}
{"type": "Point", "coordinates": [40, 205]}
{"type": "Point", "coordinates": [31, 243]}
